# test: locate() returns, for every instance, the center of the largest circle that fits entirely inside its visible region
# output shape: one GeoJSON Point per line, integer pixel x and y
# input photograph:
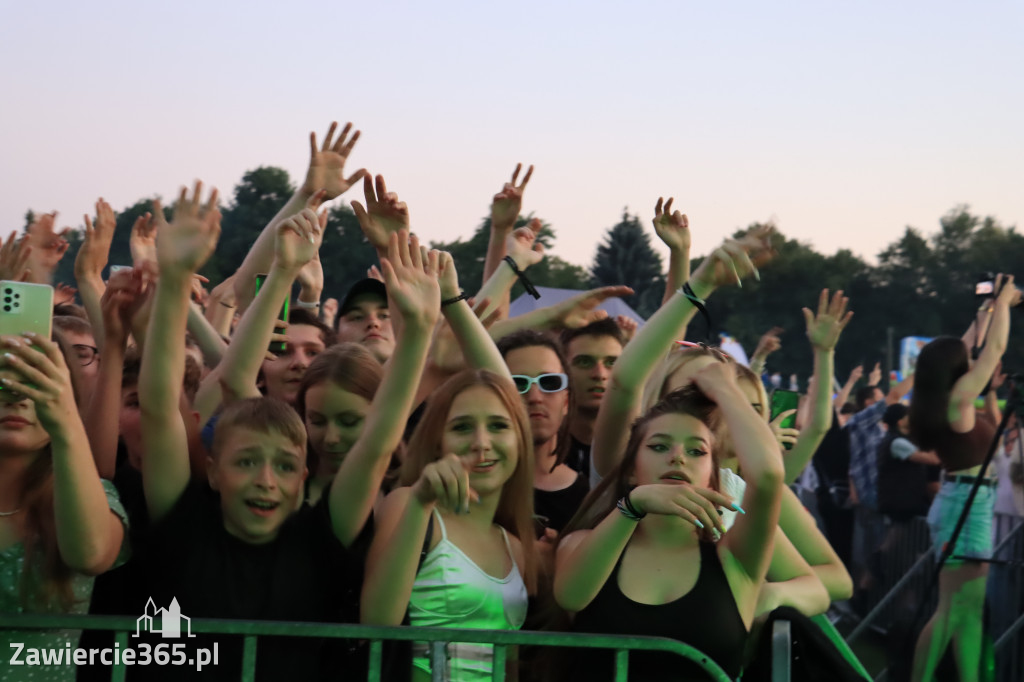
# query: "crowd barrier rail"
{"type": "Point", "coordinates": [376, 635]}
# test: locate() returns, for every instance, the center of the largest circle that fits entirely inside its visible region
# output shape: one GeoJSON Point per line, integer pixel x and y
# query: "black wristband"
{"type": "Point", "coordinates": [530, 289]}
{"type": "Point", "coordinates": [632, 510]}
{"type": "Point", "coordinates": [448, 301]}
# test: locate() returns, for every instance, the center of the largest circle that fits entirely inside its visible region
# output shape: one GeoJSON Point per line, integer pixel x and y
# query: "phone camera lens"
{"type": "Point", "coordinates": [8, 290]}
{"type": "Point", "coordinates": [17, 296]}
{"type": "Point", "coordinates": [17, 305]}
{"type": "Point", "coordinates": [7, 299]}
{"type": "Point", "coordinates": [7, 308]}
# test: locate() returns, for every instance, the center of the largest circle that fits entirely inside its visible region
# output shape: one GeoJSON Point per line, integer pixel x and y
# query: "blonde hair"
{"type": "Point", "coordinates": [656, 387]}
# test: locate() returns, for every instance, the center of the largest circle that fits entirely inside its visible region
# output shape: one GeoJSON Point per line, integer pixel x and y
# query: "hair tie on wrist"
{"type": "Point", "coordinates": [625, 506]}
{"type": "Point", "coordinates": [307, 305]}
{"type": "Point", "coordinates": [448, 301]}
{"type": "Point", "coordinates": [530, 289]}
{"type": "Point", "coordinates": [687, 291]}
{"type": "Point", "coordinates": [226, 305]}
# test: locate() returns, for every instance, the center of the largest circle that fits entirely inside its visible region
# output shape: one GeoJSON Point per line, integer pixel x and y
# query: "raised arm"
{"type": "Point", "coordinates": [414, 299]}
{"type": "Point", "coordinates": [968, 387]}
{"type": "Point", "coordinates": [89, 535]}
{"type": "Point", "coordinates": [89, 263]}
{"type": "Point", "coordinates": [766, 345]}
{"type": "Point", "coordinates": [621, 403]}
{"type": "Point", "coordinates": [750, 541]}
{"type": "Point", "coordinates": [505, 209]}
{"type": "Point", "coordinates": [674, 230]}
{"type": "Point", "coordinates": [844, 393]}
{"type": "Point", "coordinates": [220, 308]}
{"type": "Point", "coordinates": [326, 172]}
{"type": "Point", "coordinates": [48, 247]}
{"type": "Point", "coordinates": [296, 242]}
{"type": "Point", "coordinates": [183, 247]}
{"type": "Point", "coordinates": [823, 330]}
{"type": "Point", "coordinates": [122, 295]}
{"type": "Point", "coordinates": [476, 344]}
{"type": "Point", "coordinates": [572, 313]}
{"type": "Point", "coordinates": [521, 246]}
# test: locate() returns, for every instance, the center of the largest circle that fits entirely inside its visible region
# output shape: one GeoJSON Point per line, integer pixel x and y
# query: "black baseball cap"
{"type": "Point", "coordinates": [360, 288]}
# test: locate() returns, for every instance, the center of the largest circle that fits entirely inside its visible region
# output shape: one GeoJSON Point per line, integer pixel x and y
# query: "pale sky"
{"type": "Point", "coordinates": [845, 121]}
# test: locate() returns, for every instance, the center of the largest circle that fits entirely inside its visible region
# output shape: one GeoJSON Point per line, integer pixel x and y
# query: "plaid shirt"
{"type": "Point", "coordinates": [866, 434]}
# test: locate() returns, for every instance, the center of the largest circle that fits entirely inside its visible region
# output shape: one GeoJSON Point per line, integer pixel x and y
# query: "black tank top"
{"type": "Point", "coordinates": [706, 618]}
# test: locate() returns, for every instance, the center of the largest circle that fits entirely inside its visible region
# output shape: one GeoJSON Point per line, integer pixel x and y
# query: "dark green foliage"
{"type": "Point", "coordinates": [626, 257]}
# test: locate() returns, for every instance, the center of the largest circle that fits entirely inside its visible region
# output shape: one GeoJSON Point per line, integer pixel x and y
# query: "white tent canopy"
{"type": "Point", "coordinates": [550, 296]}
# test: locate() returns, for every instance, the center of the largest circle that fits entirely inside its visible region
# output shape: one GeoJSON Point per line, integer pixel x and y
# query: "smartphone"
{"type": "Point", "coordinates": [984, 289]}
{"type": "Point", "coordinates": [24, 308]}
{"type": "Point", "coordinates": [275, 347]}
{"type": "Point", "coordinates": [783, 400]}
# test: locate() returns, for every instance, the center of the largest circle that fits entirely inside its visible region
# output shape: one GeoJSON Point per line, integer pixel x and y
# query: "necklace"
{"type": "Point", "coordinates": [10, 513]}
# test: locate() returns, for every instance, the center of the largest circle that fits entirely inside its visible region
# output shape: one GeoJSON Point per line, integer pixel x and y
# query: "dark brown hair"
{"type": "Point", "coordinates": [941, 363]}
{"type": "Point", "coordinates": [529, 338]}
{"type": "Point", "coordinates": [602, 499]}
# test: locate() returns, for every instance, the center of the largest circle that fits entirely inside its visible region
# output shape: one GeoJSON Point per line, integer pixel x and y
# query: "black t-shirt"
{"type": "Point", "coordinates": [304, 574]}
{"type": "Point", "coordinates": [554, 508]}
{"type": "Point", "coordinates": [578, 457]}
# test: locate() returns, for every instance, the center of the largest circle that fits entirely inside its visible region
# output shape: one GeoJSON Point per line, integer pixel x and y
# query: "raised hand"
{"type": "Point", "coordinates": [628, 326]}
{"type": "Point", "coordinates": [414, 292]}
{"type": "Point", "coordinates": [373, 272]}
{"type": "Point", "coordinates": [329, 312]}
{"type": "Point", "coordinates": [1009, 294]}
{"type": "Point", "coordinates": [446, 483]}
{"type": "Point", "coordinates": [672, 228]}
{"type": "Point", "coordinates": [523, 246]}
{"type": "Point", "coordinates": [63, 293]}
{"type": "Point", "coordinates": [856, 374]}
{"type": "Point", "coordinates": [311, 276]}
{"type": "Point", "coordinates": [327, 164]}
{"type": "Point", "coordinates": [384, 214]}
{"type": "Point", "coordinates": [297, 241]}
{"type": "Point", "coordinates": [40, 375]}
{"type": "Point", "coordinates": [508, 203]}
{"type": "Point", "coordinates": [716, 380]}
{"type": "Point", "coordinates": [699, 506]}
{"type": "Point", "coordinates": [736, 259]}
{"type": "Point", "coordinates": [185, 245]}
{"type": "Point", "coordinates": [48, 247]}
{"type": "Point", "coordinates": [14, 258]}
{"type": "Point", "coordinates": [769, 342]}
{"type": "Point", "coordinates": [876, 375]}
{"type": "Point", "coordinates": [123, 297]}
{"type": "Point", "coordinates": [142, 241]}
{"type": "Point", "coordinates": [824, 328]}
{"type": "Point", "coordinates": [95, 249]}
{"type": "Point", "coordinates": [581, 310]}
{"type": "Point", "coordinates": [447, 275]}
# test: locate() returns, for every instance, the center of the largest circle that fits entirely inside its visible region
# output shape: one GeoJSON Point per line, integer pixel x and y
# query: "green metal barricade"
{"type": "Point", "coordinates": [438, 638]}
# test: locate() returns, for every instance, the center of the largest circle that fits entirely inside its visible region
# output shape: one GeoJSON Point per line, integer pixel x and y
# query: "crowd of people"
{"type": "Point", "coordinates": [408, 455]}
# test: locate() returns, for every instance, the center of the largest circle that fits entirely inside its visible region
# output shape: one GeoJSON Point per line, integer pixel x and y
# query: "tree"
{"type": "Point", "coordinates": [626, 257]}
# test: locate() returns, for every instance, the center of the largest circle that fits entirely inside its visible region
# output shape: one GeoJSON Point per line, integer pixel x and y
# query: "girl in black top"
{"type": "Point", "coordinates": [648, 565]}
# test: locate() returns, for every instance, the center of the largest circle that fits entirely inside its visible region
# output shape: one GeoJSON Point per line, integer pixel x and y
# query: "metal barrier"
{"type": "Point", "coordinates": [501, 639]}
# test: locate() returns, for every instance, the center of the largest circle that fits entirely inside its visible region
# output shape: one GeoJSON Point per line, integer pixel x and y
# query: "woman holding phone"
{"type": "Point", "coordinates": [59, 524]}
{"type": "Point", "coordinates": [943, 418]}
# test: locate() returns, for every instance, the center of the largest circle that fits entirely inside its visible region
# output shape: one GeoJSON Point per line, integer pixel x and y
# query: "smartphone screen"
{"type": "Point", "coordinates": [984, 288]}
{"type": "Point", "coordinates": [783, 400]}
{"type": "Point", "coordinates": [275, 347]}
